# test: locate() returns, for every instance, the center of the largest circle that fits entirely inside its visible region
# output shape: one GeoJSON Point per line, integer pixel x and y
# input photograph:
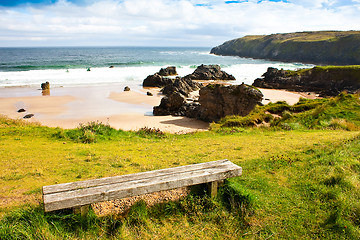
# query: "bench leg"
{"type": "Point", "coordinates": [213, 188]}
{"type": "Point", "coordinates": [83, 210]}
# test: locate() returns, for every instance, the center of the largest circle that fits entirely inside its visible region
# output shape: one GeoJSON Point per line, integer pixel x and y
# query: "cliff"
{"type": "Point", "coordinates": [322, 47]}
{"type": "Point", "coordinates": [326, 80]}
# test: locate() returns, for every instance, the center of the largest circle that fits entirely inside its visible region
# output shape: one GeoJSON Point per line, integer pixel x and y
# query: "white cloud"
{"type": "Point", "coordinates": [166, 22]}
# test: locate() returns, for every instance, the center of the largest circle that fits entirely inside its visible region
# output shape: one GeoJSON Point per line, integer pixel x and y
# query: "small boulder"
{"type": "Point", "coordinates": [28, 116]}
{"type": "Point", "coordinates": [156, 80]}
{"type": "Point", "coordinates": [21, 110]}
{"type": "Point", "coordinates": [126, 89]}
{"type": "Point", "coordinates": [210, 72]}
{"type": "Point", "coordinates": [170, 104]}
{"type": "Point", "coordinates": [45, 86]}
{"type": "Point", "coordinates": [149, 94]}
{"type": "Point", "coordinates": [169, 71]}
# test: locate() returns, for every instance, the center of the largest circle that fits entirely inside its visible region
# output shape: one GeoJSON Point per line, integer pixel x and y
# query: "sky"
{"type": "Point", "coordinates": [28, 23]}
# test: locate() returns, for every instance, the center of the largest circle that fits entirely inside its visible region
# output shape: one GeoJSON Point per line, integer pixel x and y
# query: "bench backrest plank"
{"type": "Point", "coordinates": [87, 192]}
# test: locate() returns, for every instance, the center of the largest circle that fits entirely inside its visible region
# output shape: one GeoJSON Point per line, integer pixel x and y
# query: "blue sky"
{"type": "Point", "coordinates": [165, 22]}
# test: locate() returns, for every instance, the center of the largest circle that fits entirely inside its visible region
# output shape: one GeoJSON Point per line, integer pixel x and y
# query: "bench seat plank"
{"type": "Point", "coordinates": [87, 192]}
{"type": "Point", "coordinates": [64, 187]}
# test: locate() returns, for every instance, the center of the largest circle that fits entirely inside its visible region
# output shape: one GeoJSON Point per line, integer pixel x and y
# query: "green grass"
{"type": "Point", "coordinates": [300, 176]}
{"type": "Point", "coordinates": [337, 73]}
{"type": "Point", "coordinates": [307, 193]}
{"type": "Point", "coordinates": [341, 112]}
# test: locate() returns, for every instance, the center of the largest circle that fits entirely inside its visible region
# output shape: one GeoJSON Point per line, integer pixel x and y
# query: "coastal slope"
{"type": "Point", "coordinates": [319, 47]}
{"type": "Point", "coordinates": [325, 80]}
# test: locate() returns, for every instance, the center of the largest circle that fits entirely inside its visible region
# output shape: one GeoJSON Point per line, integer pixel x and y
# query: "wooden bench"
{"type": "Point", "coordinates": [79, 195]}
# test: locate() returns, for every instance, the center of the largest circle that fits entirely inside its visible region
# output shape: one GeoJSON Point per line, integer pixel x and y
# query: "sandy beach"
{"type": "Point", "coordinates": [131, 110]}
{"type": "Point", "coordinates": [68, 107]}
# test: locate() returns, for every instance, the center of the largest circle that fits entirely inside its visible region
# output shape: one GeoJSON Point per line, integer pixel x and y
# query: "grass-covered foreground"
{"type": "Point", "coordinates": [298, 182]}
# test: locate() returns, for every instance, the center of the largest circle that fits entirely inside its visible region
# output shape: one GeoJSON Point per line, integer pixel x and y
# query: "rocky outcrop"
{"type": "Point", "coordinates": [209, 72]}
{"type": "Point", "coordinates": [170, 104]}
{"type": "Point", "coordinates": [169, 71]}
{"type": "Point", "coordinates": [160, 78]}
{"type": "Point", "coordinates": [327, 81]}
{"type": "Point", "coordinates": [183, 85]}
{"type": "Point", "coordinates": [215, 102]}
{"type": "Point", "coordinates": [156, 80]}
{"type": "Point", "coordinates": [218, 101]}
{"type": "Point", "coordinates": [321, 47]}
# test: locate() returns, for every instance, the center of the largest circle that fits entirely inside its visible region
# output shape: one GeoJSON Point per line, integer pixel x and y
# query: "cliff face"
{"type": "Point", "coordinates": [328, 80]}
{"type": "Point", "coordinates": [323, 47]}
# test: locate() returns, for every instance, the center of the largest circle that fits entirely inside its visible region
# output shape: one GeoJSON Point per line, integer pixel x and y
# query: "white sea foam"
{"type": "Point", "coordinates": [73, 77]}
{"type": "Point", "coordinates": [132, 76]}
{"type": "Point", "coordinates": [247, 73]}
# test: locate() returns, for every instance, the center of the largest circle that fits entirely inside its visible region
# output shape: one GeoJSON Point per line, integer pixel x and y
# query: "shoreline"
{"type": "Point", "coordinates": [67, 107]}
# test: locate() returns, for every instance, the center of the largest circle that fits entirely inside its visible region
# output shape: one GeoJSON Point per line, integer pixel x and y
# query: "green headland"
{"type": "Point", "coordinates": [318, 47]}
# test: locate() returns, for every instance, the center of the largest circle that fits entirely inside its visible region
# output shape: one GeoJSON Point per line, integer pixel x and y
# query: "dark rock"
{"type": "Point", "coordinates": [21, 110]}
{"type": "Point", "coordinates": [45, 86]}
{"type": "Point", "coordinates": [192, 109]}
{"type": "Point", "coordinates": [218, 101]}
{"type": "Point", "coordinates": [156, 80]}
{"type": "Point", "coordinates": [111, 67]}
{"type": "Point", "coordinates": [327, 82]}
{"type": "Point", "coordinates": [169, 71]}
{"type": "Point", "coordinates": [183, 85]}
{"type": "Point", "coordinates": [126, 89]}
{"type": "Point", "coordinates": [170, 104]}
{"type": "Point", "coordinates": [28, 116]}
{"type": "Point", "coordinates": [210, 72]}
{"type": "Point", "coordinates": [215, 102]}
{"type": "Point", "coordinates": [149, 94]}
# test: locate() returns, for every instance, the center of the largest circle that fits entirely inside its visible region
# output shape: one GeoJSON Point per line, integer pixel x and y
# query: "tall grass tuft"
{"type": "Point", "coordinates": [90, 133]}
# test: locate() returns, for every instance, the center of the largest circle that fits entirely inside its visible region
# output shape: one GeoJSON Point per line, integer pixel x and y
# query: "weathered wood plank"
{"type": "Point", "coordinates": [213, 188]}
{"type": "Point", "coordinates": [82, 210]}
{"type": "Point", "coordinates": [124, 178]}
{"type": "Point", "coordinates": [85, 196]}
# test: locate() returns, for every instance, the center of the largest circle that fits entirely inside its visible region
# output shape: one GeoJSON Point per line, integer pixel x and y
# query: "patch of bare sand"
{"type": "Point", "coordinates": [275, 95]}
{"type": "Point", "coordinates": [121, 110]}
{"type": "Point", "coordinates": [46, 105]}
{"type": "Point", "coordinates": [133, 122]}
{"type": "Point", "coordinates": [133, 97]}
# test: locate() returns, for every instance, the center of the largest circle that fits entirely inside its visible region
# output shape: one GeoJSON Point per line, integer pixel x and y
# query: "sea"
{"type": "Point", "coordinates": [103, 66]}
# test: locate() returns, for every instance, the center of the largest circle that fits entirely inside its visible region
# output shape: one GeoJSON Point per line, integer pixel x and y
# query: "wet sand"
{"type": "Point", "coordinates": [132, 110]}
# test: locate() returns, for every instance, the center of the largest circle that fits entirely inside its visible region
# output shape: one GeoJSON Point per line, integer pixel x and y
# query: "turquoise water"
{"type": "Point", "coordinates": [65, 66]}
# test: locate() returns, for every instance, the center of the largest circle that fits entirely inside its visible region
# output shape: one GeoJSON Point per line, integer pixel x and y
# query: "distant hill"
{"type": "Point", "coordinates": [322, 47]}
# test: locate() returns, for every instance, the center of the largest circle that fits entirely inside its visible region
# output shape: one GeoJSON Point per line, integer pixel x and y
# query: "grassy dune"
{"type": "Point", "coordinates": [296, 183]}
